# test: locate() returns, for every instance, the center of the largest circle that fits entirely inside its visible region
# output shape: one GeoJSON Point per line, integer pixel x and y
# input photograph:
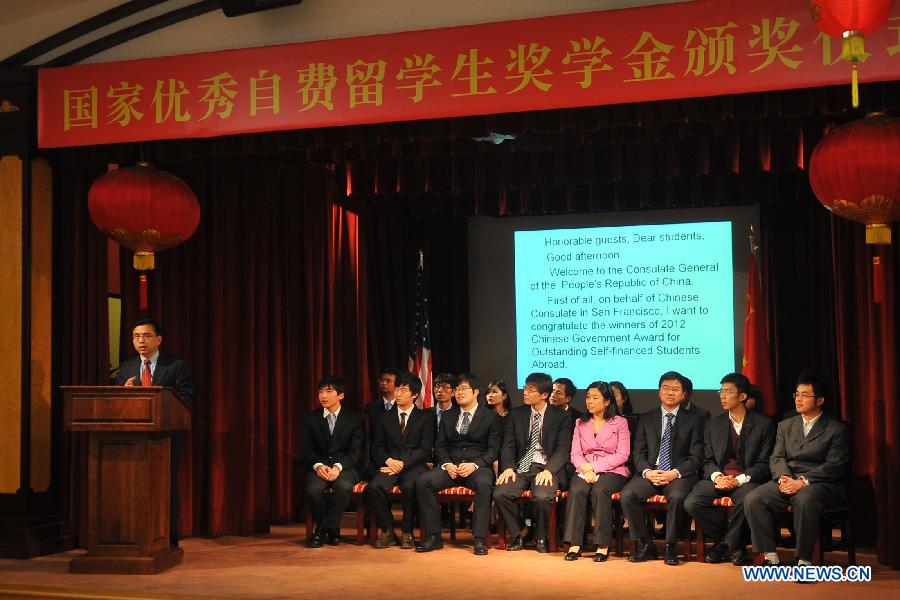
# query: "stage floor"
{"type": "Point", "coordinates": [278, 565]}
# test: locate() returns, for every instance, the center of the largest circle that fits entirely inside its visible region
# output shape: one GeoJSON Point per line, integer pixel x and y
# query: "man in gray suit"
{"type": "Point", "coordinates": [808, 466]}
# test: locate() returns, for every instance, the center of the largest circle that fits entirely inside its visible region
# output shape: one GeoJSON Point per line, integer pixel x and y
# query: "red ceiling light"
{"type": "Point", "coordinates": [852, 21]}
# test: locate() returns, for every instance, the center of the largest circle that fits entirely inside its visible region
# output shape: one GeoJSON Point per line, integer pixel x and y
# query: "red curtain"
{"type": "Point", "coordinates": [265, 299]}
{"type": "Point", "coordinates": [80, 327]}
{"type": "Point", "coordinates": [818, 274]}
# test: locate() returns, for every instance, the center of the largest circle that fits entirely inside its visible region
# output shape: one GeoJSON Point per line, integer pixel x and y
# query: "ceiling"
{"type": "Point", "coordinates": [200, 25]}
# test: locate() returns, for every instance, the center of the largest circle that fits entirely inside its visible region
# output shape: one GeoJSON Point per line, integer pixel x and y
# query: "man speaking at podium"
{"type": "Point", "coordinates": [152, 367]}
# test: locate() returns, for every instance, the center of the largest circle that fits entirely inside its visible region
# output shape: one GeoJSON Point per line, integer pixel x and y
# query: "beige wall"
{"type": "Point", "coordinates": [10, 322]}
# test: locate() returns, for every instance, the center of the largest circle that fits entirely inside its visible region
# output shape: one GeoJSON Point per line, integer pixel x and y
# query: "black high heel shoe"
{"type": "Point", "coordinates": [573, 555]}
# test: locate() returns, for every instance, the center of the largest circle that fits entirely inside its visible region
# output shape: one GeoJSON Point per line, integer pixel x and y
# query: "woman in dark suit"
{"type": "Point", "coordinates": [601, 444]}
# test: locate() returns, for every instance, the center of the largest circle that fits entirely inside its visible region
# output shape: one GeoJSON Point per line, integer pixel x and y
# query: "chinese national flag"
{"type": "Point", "coordinates": [756, 363]}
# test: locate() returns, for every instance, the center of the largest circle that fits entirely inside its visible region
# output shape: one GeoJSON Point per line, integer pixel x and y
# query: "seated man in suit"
{"type": "Point", "coordinates": [808, 467]}
{"type": "Point", "coordinates": [332, 442]}
{"type": "Point", "coordinates": [373, 410]}
{"type": "Point", "coordinates": [668, 454]}
{"type": "Point", "coordinates": [404, 437]}
{"type": "Point", "coordinates": [537, 439]}
{"type": "Point", "coordinates": [562, 395]}
{"type": "Point", "coordinates": [468, 443]}
{"type": "Point", "coordinates": [153, 367]}
{"type": "Point", "coordinates": [738, 446]}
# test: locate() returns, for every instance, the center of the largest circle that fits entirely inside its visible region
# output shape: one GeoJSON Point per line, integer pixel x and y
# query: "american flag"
{"type": "Point", "coordinates": [420, 337]}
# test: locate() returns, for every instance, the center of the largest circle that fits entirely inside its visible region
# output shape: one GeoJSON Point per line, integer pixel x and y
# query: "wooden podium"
{"type": "Point", "coordinates": [130, 431]}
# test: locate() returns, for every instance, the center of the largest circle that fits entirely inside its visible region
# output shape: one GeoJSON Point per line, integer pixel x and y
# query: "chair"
{"type": "Point", "coordinates": [525, 497]}
{"type": "Point", "coordinates": [454, 495]}
{"type": "Point", "coordinates": [658, 503]}
{"type": "Point", "coordinates": [357, 498]}
{"type": "Point", "coordinates": [829, 520]}
{"type": "Point", "coordinates": [724, 503]}
{"type": "Point", "coordinates": [393, 495]}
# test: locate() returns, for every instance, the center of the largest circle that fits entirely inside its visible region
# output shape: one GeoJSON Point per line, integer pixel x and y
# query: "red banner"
{"type": "Point", "coordinates": [702, 48]}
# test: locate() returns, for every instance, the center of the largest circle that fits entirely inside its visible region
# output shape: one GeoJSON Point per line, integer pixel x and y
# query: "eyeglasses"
{"type": "Point", "coordinates": [463, 388]}
{"type": "Point", "coordinates": [804, 395]}
{"type": "Point", "coordinates": [143, 336]}
{"type": "Point", "coordinates": [443, 388]}
{"type": "Point", "coordinates": [669, 388]}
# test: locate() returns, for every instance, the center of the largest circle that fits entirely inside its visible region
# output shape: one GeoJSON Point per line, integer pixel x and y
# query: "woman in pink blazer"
{"type": "Point", "coordinates": [601, 444]}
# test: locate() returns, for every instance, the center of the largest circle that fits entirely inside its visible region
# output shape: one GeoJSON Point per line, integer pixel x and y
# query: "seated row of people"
{"type": "Point", "coordinates": [677, 452]}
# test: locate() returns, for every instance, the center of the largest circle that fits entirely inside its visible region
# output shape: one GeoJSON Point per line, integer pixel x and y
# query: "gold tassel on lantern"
{"type": "Point", "coordinates": [143, 261]}
{"type": "Point", "coordinates": [853, 48]}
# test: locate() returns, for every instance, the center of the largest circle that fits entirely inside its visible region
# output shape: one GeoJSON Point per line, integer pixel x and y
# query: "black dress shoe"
{"type": "Point", "coordinates": [718, 553]}
{"type": "Point", "coordinates": [769, 563]}
{"type": "Point", "coordinates": [480, 547]}
{"type": "Point", "coordinates": [431, 542]}
{"type": "Point", "coordinates": [644, 553]}
{"type": "Point", "coordinates": [332, 537]}
{"type": "Point", "coordinates": [573, 555]}
{"type": "Point", "coordinates": [671, 554]}
{"type": "Point", "coordinates": [601, 557]}
{"type": "Point", "coordinates": [315, 540]}
{"type": "Point", "coordinates": [541, 545]}
{"type": "Point", "coordinates": [516, 545]}
{"type": "Point", "coordinates": [740, 558]}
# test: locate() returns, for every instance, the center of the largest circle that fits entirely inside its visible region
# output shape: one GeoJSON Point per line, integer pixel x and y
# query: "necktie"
{"type": "Point", "coordinates": [665, 459]}
{"type": "Point", "coordinates": [146, 376]}
{"type": "Point", "coordinates": [388, 406]}
{"type": "Point", "coordinates": [464, 426]}
{"type": "Point", "coordinates": [525, 463]}
{"type": "Point", "coordinates": [439, 411]}
{"type": "Point", "coordinates": [330, 418]}
{"type": "Point", "coordinates": [402, 423]}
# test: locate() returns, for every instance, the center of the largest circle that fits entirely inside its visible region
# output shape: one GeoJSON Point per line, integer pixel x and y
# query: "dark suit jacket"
{"type": "Point", "coordinates": [686, 449]}
{"type": "Point", "coordinates": [556, 437]}
{"type": "Point", "coordinates": [574, 414]}
{"type": "Point", "coordinates": [413, 447]}
{"type": "Point", "coordinates": [755, 447]}
{"type": "Point", "coordinates": [170, 372]}
{"type": "Point", "coordinates": [480, 445]}
{"type": "Point", "coordinates": [821, 457]}
{"type": "Point", "coordinates": [698, 410]}
{"type": "Point", "coordinates": [344, 445]}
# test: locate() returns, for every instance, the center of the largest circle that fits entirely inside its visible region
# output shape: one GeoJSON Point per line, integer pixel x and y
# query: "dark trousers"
{"type": "Point", "coordinates": [766, 500]}
{"type": "Point", "coordinates": [376, 494]}
{"type": "Point", "coordinates": [635, 494]}
{"type": "Point", "coordinates": [719, 525]}
{"type": "Point", "coordinates": [544, 499]}
{"type": "Point", "coordinates": [429, 484]}
{"type": "Point", "coordinates": [600, 495]}
{"type": "Point", "coordinates": [327, 509]}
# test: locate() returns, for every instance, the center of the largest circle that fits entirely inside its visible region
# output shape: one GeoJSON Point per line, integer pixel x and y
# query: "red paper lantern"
{"type": "Point", "coordinates": [855, 173]}
{"type": "Point", "coordinates": [850, 20]}
{"type": "Point", "coordinates": [145, 210]}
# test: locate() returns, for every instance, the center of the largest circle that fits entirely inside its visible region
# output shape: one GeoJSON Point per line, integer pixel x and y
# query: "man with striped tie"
{"type": "Point", "coordinates": [667, 454]}
{"type": "Point", "coordinates": [537, 439]}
